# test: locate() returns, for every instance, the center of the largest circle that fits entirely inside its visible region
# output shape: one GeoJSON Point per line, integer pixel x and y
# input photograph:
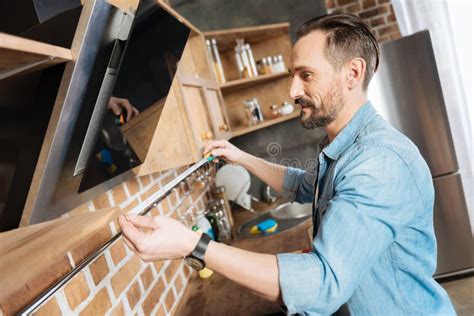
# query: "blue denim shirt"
{"type": "Point", "coordinates": [375, 247]}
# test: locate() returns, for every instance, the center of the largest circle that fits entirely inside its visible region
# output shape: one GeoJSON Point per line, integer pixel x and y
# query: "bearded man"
{"type": "Point", "coordinates": [374, 246]}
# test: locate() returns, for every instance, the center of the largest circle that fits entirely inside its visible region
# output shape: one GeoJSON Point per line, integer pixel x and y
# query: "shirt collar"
{"type": "Point", "coordinates": [347, 135]}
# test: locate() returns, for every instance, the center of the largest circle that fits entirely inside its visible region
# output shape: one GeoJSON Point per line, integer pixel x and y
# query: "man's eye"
{"type": "Point", "coordinates": [306, 75]}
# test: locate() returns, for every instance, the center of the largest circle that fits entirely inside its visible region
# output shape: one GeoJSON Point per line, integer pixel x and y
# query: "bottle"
{"type": "Point", "coordinates": [219, 193]}
{"type": "Point", "coordinates": [274, 110]}
{"type": "Point", "coordinates": [258, 110]}
{"type": "Point", "coordinates": [279, 64]}
{"type": "Point", "coordinates": [270, 64]}
{"type": "Point", "coordinates": [276, 68]}
{"type": "Point", "coordinates": [260, 67]}
{"type": "Point", "coordinates": [238, 59]}
{"type": "Point", "coordinates": [217, 62]}
{"type": "Point", "coordinates": [253, 67]}
{"type": "Point", "coordinates": [286, 108]}
{"type": "Point", "coordinates": [247, 69]}
{"type": "Point", "coordinates": [203, 224]}
{"type": "Point", "coordinates": [250, 111]}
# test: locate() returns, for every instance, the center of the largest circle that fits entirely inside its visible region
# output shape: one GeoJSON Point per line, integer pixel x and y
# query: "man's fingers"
{"type": "Point", "coordinates": [130, 244]}
{"type": "Point", "coordinates": [130, 231]}
{"type": "Point", "coordinates": [208, 147]}
{"type": "Point", "coordinates": [115, 108]}
{"type": "Point", "coordinates": [218, 152]}
{"type": "Point", "coordinates": [129, 112]}
{"type": "Point", "coordinates": [142, 221]}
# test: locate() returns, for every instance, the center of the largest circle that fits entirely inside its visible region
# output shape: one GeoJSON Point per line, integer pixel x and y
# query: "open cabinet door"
{"type": "Point", "coordinates": [171, 144]}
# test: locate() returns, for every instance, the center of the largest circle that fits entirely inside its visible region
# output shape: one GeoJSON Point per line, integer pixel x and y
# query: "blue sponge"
{"type": "Point", "coordinates": [267, 224]}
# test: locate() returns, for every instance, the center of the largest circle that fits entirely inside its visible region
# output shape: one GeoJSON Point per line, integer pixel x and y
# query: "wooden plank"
{"type": "Point", "coordinates": [267, 123]}
{"type": "Point", "coordinates": [27, 253]}
{"type": "Point", "coordinates": [178, 16]}
{"type": "Point", "coordinates": [139, 131]}
{"type": "Point", "coordinates": [170, 146]}
{"type": "Point", "coordinates": [253, 34]}
{"type": "Point", "coordinates": [19, 54]}
{"type": "Point", "coordinates": [267, 93]}
{"type": "Point", "coordinates": [129, 6]}
{"type": "Point", "coordinates": [242, 83]}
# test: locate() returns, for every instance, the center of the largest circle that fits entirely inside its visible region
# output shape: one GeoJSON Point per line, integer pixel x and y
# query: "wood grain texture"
{"type": "Point", "coordinates": [248, 82]}
{"type": "Point", "coordinates": [250, 129]}
{"type": "Point", "coordinates": [34, 257]}
{"type": "Point", "coordinates": [19, 54]}
{"type": "Point", "coordinates": [170, 146]}
{"type": "Point", "coordinates": [252, 34]}
{"type": "Point", "coordinates": [267, 93]}
{"type": "Point", "coordinates": [140, 131]}
{"type": "Point", "coordinates": [129, 6]}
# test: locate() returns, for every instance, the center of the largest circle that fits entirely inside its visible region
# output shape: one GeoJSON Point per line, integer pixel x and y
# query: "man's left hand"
{"type": "Point", "coordinates": [157, 237]}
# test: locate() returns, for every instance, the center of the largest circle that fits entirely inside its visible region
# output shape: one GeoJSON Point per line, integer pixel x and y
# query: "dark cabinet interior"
{"type": "Point", "coordinates": [26, 103]}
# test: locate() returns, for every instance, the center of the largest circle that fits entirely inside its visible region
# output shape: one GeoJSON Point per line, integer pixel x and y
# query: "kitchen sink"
{"type": "Point", "coordinates": [291, 211]}
{"type": "Point", "coordinates": [287, 215]}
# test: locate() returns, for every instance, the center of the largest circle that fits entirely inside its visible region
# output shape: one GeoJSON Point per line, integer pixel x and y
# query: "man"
{"type": "Point", "coordinates": [374, 246]}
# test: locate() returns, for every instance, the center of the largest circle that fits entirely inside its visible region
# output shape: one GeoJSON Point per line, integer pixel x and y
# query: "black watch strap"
{"type": "Point", "coordinates": [200, 249]}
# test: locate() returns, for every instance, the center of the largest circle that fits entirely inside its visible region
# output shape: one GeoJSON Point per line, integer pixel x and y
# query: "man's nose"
{"type": "Point", "coordinates": [296, 88]}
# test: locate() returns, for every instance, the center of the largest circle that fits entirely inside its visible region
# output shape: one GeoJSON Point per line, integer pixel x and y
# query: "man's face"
{"type": "Point", "coordinates": [316, 85]}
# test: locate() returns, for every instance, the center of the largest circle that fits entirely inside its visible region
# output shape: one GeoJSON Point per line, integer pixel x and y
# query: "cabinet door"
{"type": "Point", "coordinates": [215, 103]}
{"type": "Point", "coordinates": [195, 101]}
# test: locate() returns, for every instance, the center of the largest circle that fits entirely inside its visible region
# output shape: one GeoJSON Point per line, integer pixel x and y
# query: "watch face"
{"type": "Point", "coordinates": [194, 263]}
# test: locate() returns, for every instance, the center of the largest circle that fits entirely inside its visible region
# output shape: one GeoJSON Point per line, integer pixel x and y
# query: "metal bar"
{"type": "Point", "coordinates": [157, 198]}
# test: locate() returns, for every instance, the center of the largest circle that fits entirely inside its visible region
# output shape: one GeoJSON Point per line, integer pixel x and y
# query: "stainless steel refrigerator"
{"type": "Point", "coordinates": [406, 92]}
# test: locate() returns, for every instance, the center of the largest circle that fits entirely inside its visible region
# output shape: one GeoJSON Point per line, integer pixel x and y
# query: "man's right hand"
{"type": "Point", "coordinates": [226, 150]}
{"type": "Point", "coordinates": [268, 172]}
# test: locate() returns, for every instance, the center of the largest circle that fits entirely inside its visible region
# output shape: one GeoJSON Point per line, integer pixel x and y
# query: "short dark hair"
{"type": "Point", "coordinates": [347, 37]}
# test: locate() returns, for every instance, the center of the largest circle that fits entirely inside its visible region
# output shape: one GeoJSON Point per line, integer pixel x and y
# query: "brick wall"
{"type": "Point", "coordinates": [377, 13]}
{"type": "Point", "coordinates": [118, 282]}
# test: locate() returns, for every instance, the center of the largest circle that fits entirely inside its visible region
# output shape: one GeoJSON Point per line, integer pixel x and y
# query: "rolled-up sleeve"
{"type": "Point", "coordinates": [360, 223]}
{"type": "Point", "coordinates": [298, 185]}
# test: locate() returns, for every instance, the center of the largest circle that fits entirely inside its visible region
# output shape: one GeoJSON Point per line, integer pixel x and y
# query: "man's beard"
{"type": "Point", "coordinates": [331, 103]}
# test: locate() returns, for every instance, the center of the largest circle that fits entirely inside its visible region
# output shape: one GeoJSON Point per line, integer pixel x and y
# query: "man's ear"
{"type": "Point", "coordinates": [355, 72]}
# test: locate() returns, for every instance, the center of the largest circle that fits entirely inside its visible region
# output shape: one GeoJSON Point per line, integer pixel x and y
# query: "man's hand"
{"type": "Point", "coordinates": [160, 237]}
{"type": "Point", "coordinates": [117, 104]}
{"type": "Point", "coordinates": [157, 238]}
{"type": "Point", "coordinates": [225, 150]}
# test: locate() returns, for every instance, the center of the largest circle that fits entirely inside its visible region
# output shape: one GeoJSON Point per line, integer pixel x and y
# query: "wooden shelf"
{"type": "Point", "coordinates": [19, 54]}
{"type": "Point", "coordinates": [249, 129]}
{"type": "Point", "coordinates": [252, 34]}
{"type": "Point", "coordinates": [241, 83]}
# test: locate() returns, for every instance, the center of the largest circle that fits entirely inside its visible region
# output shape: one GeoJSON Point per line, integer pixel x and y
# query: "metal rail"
{"type": "Point", "coordinates": [158, 197]}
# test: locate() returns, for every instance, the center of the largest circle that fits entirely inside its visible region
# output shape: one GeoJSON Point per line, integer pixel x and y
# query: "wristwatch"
{"type": "Point", "coordinates": [196, 258]}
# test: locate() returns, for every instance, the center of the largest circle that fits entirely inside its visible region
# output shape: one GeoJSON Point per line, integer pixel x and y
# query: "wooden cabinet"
{"type": "Point", "coordinates": [210, 110]}
{"type": "Point", "coordinates": [205, 109]}
{"type": "Point", "coordinates": [269, 89]}
{"type": "Point", "coordinates": [19, 55]}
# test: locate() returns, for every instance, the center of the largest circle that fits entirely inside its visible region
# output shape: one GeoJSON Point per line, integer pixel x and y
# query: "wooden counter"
{"type": "Point", "coordinates": [219, 296]}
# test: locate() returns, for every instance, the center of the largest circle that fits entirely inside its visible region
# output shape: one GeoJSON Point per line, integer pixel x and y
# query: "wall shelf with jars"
{"type": "Point", "coordinates": [250, 66]}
